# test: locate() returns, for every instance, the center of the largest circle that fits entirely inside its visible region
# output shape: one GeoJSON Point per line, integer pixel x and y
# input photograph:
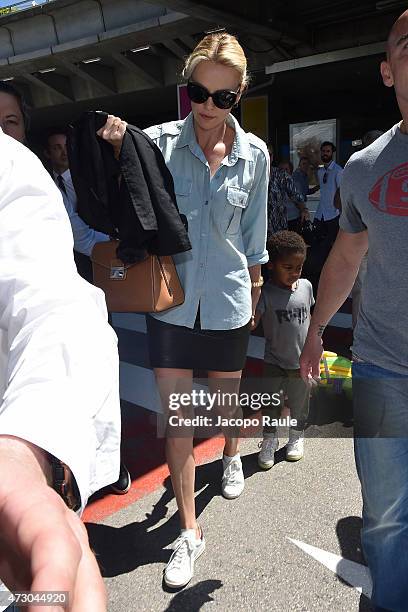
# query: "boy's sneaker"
{"type": "Point", "coordinates": [186, 549]}
{"type": "Point", "coordinates": [295, 446]}
{"type": "Point", "coordinates": [268, 446]}
{"type": "Point", "coordinates": [233, 481]}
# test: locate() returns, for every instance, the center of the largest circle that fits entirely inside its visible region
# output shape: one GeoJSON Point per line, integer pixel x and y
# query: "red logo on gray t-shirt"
{"type": "Point", "coordinates": [390, 193]}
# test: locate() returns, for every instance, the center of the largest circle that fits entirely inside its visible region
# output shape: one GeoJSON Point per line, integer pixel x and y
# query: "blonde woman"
{"type": "Point", "coordinates": [221, 182]}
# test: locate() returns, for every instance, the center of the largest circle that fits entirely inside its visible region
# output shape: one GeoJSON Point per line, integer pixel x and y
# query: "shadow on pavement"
{"type": "Point", "coordinates": [193, 598]}
{"type": "Point", "coordinates": [120, 550]}
{"type": "Point", "coordinates": [348, 531]}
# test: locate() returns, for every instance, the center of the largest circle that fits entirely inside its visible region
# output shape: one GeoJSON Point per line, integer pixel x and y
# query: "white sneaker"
{"type": "Point", "coordinates": [295, 446]}
{"type": "Point", "coordinates": [268, 446]}
{"type": "Point", "coordinates": [186, 549]}
{"type": "Point", "coordinates": [233, 481]}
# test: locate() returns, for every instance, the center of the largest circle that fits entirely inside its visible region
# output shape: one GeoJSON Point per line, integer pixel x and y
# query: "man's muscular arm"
{"type": "Point", "coordinates": [336, 282]}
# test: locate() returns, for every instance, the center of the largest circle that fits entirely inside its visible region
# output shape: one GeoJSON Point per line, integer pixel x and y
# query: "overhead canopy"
{"type": "Point", "coordinates": [72, 54]}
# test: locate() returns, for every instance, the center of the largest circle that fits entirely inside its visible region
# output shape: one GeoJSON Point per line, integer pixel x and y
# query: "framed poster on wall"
{"type": "Point", "coordinates": [306, 138]}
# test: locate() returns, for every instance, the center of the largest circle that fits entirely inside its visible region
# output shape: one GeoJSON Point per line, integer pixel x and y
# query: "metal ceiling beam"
{"type": "Point", "coordinates": [141, 73]}
{"type": "Point", "coordinates": [86, 76]}
{"type": "Point", "coordinates": [175, 48]}
{"type": "Point", "coordinates": [228, 19]}
{"type": "Point", "coordinates": [189, 41]}
{"type": "Point", "coordinates": [37, 82]}
{"type": "Point", "coordinates": [284, 52]}
{"type": "Point", "coordinates": [259, 46]}
{"type": "Point", "coordinates": [326, 58]}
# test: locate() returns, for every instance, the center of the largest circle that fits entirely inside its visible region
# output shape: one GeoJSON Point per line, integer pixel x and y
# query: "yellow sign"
{"type": "Point", "coordinates": [254, 116]}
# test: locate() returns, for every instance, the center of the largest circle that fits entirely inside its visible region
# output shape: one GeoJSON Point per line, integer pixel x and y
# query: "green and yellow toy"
{"type": "Point", "coordinates": [335, 373]}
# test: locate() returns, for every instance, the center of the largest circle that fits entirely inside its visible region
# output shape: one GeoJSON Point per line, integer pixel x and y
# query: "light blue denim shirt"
{"type": "Point", "coordinates": [227, 221]}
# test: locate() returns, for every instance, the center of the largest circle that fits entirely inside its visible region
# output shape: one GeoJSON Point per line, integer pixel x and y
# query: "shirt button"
{"type": "Point", "coordinates": [205, 203]}
{"type": "Point", "coordinates": [201, 265]}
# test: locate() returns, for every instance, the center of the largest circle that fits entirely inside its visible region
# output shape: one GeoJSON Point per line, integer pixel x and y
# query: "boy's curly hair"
{"type": "Point", "coordinates": [285, 243]}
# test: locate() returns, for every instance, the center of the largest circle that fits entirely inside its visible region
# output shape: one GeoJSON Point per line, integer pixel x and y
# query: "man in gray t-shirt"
{"type": "Point", "coordinates": [374, 194]}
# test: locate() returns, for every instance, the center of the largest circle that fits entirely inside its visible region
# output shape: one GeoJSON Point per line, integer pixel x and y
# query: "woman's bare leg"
{"type": "Point", "coordinates": [227, 382]}
{"type": "Point", "coordinates": [179, 445]}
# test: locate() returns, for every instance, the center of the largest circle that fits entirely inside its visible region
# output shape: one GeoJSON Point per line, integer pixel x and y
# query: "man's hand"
{"type": "Point", "coordinates": [113, 132]}
{"type": "Point", "coordinates": [310, 358]}
{"type": "Point", "coordinates": [337, 200]}
{"type": "Point", "coordinates": [304, 215]}
{"type": "Point", "coordinates": [43, 545]}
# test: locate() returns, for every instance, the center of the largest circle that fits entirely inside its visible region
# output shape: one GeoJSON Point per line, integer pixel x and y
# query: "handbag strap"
{"type": "Point", "coordinates": [163, 273]}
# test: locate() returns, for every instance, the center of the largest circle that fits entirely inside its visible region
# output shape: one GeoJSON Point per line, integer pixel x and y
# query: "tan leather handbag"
{"type": "Point", "coordinates": [152, 285]}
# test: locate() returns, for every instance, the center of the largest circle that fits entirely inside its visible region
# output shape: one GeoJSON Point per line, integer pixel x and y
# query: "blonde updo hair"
{"type": "Point", "coordinates": [221, 48]}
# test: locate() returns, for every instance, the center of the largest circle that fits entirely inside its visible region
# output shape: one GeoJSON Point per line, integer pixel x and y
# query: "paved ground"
{"type": "Point", "coordinates": [249, 561]}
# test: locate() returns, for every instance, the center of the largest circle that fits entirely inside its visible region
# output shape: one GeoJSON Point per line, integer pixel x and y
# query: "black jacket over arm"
{"type": "Point", "coordinates": [140, 209]}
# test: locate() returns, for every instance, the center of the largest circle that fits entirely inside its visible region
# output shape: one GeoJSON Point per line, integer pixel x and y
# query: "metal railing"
{"type": "Point", "coordinates": [21, 6]}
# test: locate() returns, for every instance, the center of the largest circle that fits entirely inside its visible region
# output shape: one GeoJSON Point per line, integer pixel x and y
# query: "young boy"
{"type": "Point", "coordinates": [284, 308]}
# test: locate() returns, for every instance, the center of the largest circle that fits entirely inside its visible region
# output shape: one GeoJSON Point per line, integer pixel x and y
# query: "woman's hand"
{"type": "Point", "coordinates": [255, 295]}
{"type": "Point", "coordinates": [255, 274]}
{"type": "Point", "coordinates": [113, 132]}
{"type": "Point", "coordinates": [254, 321]}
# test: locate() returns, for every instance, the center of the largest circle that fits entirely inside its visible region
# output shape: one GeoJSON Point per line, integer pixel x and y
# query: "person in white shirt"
{"type": "Point", "coordinates": [85, 237]}
{"type": "Point", "coordinates": [59, 391]}
{"type": "Point", "coordinates": [13, 121]}
{"type": "Point", "coordinates": [328, 211]}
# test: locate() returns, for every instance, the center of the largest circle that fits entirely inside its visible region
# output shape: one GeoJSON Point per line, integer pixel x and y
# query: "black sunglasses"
{"type": "Point", "coordinates": [223, 98]}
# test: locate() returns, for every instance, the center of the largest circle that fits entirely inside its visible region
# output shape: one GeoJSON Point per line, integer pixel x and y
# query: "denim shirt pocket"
{"type": "Point", "coordinates": [182, 188]}
{"type": "Point", "coordinates": [237, 200]}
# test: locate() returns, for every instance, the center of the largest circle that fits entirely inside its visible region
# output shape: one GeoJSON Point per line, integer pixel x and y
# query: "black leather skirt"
{"type": "Point", "coordinates": [175, 346]}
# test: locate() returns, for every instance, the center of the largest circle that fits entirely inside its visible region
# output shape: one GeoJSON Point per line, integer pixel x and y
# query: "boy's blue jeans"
{"type": "Point", "coordinates": [380, 399]}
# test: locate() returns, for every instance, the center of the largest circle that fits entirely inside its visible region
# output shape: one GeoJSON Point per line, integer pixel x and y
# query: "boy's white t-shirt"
{"type": "Point", "coordinates": [285, 319]}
